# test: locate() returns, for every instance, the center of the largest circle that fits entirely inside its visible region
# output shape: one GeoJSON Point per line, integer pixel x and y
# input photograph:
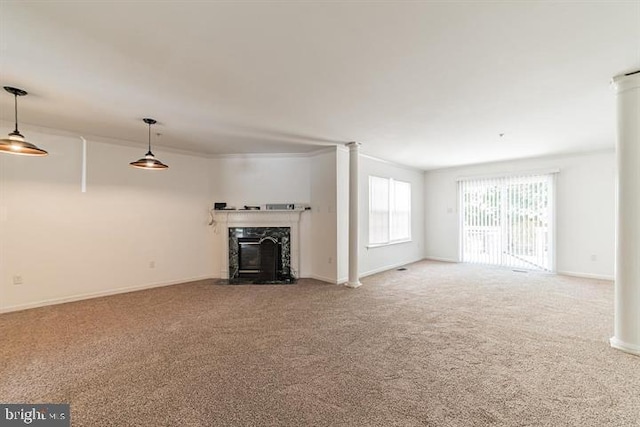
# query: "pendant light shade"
{"type": "Point", "coordinates": [15, 143]}
{"type": "Point", "coordinates": [149, 161]}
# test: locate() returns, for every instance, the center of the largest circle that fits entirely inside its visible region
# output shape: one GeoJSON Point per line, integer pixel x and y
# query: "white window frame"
{"type": "Point", "coordinates": [391, 213]}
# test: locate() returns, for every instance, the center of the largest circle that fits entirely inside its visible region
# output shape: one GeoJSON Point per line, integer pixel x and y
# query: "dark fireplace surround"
{"type": "Point", "coordinates": [260, 255]}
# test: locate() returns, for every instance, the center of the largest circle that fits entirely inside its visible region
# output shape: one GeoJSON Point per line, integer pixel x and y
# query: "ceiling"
{"type": "Point", "coordinates": [424, 84]}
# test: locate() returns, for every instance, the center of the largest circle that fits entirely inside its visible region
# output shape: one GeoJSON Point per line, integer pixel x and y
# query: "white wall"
{"type": "Point", "coordinates": [67, 245]}
{"type": "Point", "coordinates": [342, 214]}
{"type": "Point", "coordinates": [376, 259]}
{"type": "Point", "coordinates": [260, 179]}
{"type": "Point", "coordinates": [324, 229]}
{"type": "Point", "coordinates": [585, 210]}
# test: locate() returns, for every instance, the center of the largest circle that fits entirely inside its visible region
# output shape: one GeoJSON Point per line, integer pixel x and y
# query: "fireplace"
{"type": "Point", "coordinates": [248, 256]}
{"type": "Point", "coordinates": [284, 226]}
{"type": "Point", "coordinates": [260, 255]}
{"type": "Point", "coordinates": [260, 259]}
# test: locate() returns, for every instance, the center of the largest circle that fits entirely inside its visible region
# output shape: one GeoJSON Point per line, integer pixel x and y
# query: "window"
{"type": "Point", "coordinates": [389, 210]}
{"type": "Point", "coordinates": [508, 221]}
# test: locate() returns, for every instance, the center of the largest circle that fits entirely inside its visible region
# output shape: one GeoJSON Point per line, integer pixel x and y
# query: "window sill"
{"type": "Point", "coordinates": [381, 245]}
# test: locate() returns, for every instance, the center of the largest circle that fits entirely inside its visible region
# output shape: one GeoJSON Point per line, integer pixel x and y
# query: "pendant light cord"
{"type": "Point", "coordinates": [149, 137]}
{"type": "Point", "coordinates": [15, 107]}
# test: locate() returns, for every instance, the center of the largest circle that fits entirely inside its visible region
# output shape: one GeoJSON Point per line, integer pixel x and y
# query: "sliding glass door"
{"type": "Point", "coordinates": [508, 221]}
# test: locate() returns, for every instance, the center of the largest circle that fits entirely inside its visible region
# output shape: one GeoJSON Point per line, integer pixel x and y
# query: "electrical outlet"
{"type": "Point", "coordinates": [330, 260]}
{"type": "Point", "coordinates": [594, 257]}
{"type": "Point", "coordinates": [152, 264]}
{"type": "Point", "coordinates": [17, 280]}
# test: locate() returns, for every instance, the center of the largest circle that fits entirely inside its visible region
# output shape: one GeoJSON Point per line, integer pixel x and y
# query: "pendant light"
{"type": "Point", "coordinates": [15, 143]}
{"type": "Point", "coordinates": [149, 161]}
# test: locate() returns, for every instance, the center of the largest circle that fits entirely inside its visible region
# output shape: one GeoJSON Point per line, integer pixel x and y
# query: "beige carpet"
{"type": "Point", "coordinates": [438, 345]}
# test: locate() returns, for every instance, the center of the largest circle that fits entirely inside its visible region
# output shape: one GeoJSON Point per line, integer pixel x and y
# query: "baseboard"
{"type": "Point", "coordinates": [322, 278]}
{"type": "Point", "coordinates": [435, 258]}
{"type": "Point", "coordinates": [99, 294]}
{"type": "Point", "coordinates": [587, 275]}
{"type": "Point", "coordinates": [340, 281]}
{"type": "Point", "coordinates": [388, 267]}
{"type": "Point", "coordinates": [626, 347]}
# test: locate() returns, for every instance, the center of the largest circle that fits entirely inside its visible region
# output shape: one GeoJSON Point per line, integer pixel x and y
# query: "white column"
{"type": "Point", "coordinates": [627, 287]}
{"type": "Point", "coordinates": [354, 281]}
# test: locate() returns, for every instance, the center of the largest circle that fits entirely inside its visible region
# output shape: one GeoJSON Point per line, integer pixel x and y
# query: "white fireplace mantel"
{"type": "Point", "coordinates": [225, 219]}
